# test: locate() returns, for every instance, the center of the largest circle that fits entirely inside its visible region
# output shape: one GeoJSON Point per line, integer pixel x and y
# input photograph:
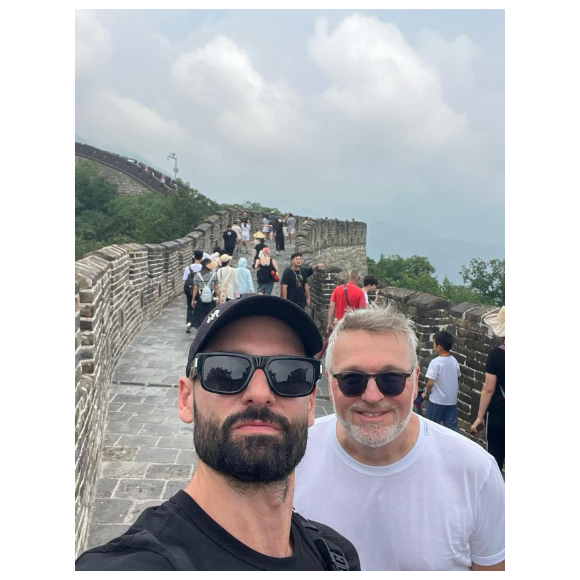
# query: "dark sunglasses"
{"type": "Point", "coordinates": [228, 373]}
{"type": "Point", "coordinates": [390, 383]}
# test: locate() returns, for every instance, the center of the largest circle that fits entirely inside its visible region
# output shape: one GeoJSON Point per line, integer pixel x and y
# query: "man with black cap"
{"type": "Point", "coordinates": [251, 402]}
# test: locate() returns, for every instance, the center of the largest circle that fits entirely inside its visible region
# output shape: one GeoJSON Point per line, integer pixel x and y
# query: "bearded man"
{"type": "Point", "coordinates": [251, 402]}
{"type": "Point", "coordinates": [410, 494]}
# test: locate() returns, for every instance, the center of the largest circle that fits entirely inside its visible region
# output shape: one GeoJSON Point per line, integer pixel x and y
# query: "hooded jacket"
{"type": "Point", "coordinates": [245, 282]}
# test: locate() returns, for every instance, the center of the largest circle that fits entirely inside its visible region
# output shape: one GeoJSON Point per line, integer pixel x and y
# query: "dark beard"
{"type": "Point", "coordinates": [259, 459]}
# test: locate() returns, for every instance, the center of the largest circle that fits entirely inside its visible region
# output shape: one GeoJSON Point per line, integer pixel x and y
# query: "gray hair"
{"type": "Point", "coordinates": [353, 274]}
{"type": "Point", "coordinates": [376, 320]}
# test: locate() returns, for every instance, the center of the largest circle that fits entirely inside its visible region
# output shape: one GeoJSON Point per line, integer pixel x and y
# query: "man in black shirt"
{"type": "Point", "coordinates": [230, 237]}
{"type": "Point", "coordinates": [251, 402]}
{"type": "Point", "coordinates": [491, 413]}
{"type": "Point", "coordinates": [293, 285]}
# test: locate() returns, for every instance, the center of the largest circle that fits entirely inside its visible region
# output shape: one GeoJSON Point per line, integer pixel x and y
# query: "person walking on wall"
{"type": "Point", "coordinates": [227, 280]}
{"type": "Point", "coordinates": [245, 227]}
{"type": "Point", "coordinates": [345, 296]}
{"type": "Point", "coordinates": [442, 382]}
{"type": "Point", "coordinates": [264, 268]}
{"type": "Point", "coordinates": [260, 244]}
{"type": "Point", "coordinates": [291, 225]}
{"type": "Point", "coordinates": [245, 282]}
{"type": "Point", "coordinates": [491, 413]}
{"type": "Point", "coordinates": [293, 285]}
{"type": "Point", "coordinates": [279, 232]}
{"type": "Point", "coordinates": [230, 239]}
{"type": "Point", "coordinates": [204, 290]}
{"type": "Point", "coordinates": [236, 227]}
{"type": "Point", "coordinates": [188, 283]}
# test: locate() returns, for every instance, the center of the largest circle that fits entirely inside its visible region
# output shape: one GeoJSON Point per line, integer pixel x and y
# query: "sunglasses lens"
{"type": "Point", "coordinates": [225, 374]}
{"type": "Point", "coordinates": [292, 378]}
{"type": "Point", "coordinates": [391, 384]}
{"type": "Point", "coordinates": [352, 384]}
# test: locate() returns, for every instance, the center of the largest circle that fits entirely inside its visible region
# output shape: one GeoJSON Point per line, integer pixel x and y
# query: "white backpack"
{"type": "Point", "coordinates": [206, 295]}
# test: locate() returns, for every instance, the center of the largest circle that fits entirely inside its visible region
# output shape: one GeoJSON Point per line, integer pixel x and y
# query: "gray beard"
{"type": "Point", "coordinates": [374, 435]}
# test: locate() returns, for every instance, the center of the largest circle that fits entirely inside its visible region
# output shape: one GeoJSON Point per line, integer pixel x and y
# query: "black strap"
{"type": "Point", "coordinates": [332, 555]}
{"type": "Point", "coordinates": [346, 296]}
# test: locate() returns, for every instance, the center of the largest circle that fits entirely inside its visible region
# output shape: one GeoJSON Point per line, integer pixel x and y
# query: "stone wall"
{"type": "Point", "coordinates": [130, 176]}
{"type": "Point", "coordinates": [117, 290]}
{"type": "Point", "coordinates": [472, 343]}
{"type": "Point", "coordinates": [340, 246]}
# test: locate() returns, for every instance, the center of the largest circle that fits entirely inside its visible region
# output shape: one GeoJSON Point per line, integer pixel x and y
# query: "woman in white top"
{"type": "Point", "coordinates": [227, 280]}
{"type": "Point", "coordinates": [245, 235]}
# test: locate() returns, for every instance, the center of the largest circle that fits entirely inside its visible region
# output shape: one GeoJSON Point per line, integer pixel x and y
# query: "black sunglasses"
{"type": "Point", "coordinates": [390, 383]}
{"type": "Point", "coordinates": [228, 373]}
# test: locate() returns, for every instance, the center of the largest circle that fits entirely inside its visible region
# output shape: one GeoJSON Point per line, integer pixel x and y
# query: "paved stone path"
{"type": "Point", "coordinates": [148, 453]}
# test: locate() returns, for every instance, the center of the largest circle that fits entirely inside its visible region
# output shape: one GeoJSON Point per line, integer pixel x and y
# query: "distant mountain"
{"type": "Point", "coordinates": [446, 255]}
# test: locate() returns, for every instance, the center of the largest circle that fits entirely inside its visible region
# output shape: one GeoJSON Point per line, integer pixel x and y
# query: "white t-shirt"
{"type": "Point", "coordinates": [245, 232]}
{"type": "Point", "coordinates": [441, 507]}
{"type": "Point", "coordinates": [444, 370]}
{"type": "Point", "coordinates": [238, 231]}
{"type": "Point", "coordinates": [191, 268]}
{"type": "Point", "coordinates": [227, 281]}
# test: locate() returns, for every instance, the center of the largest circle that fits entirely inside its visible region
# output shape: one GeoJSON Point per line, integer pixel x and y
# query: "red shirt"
{"type": "Point", "coordinates": [356, 298]}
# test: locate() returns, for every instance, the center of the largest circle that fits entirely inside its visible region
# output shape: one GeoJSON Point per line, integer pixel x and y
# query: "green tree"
{"type": "Point", "coordinates": [457, 293]}
{"type": "Point", "coordinates": [414, 273]}
{"type": "Point", "coordinates": [487, 279]}
{"type": "Point", "coordinates": [102, 217]}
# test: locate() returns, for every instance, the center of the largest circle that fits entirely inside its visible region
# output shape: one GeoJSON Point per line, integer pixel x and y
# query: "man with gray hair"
{"type": "Point", "coordinates": [345, 296]}
{"type": "Point", "coordinates": [410, 494]}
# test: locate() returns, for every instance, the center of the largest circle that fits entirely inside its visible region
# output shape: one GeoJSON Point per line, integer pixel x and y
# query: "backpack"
{"type": "Point", "coordinates": [188, 286]}
{"type": "Point", "coordinates": [206, 295]}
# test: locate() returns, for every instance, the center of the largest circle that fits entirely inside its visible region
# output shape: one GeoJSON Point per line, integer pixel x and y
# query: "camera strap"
{"type": "Point", "coordinates": [332, 555]}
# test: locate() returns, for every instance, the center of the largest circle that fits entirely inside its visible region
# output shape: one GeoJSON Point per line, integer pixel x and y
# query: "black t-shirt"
{"type": "Point", "coordinates": [495, 365]}
{"type": "Point", "coordinates": [295, 281]}
{"type": "Point", "coordinates": [257, 249]}
{"type": "Point", "coordinates": [308, 272]}
{"type": "Point", "coordinates": [263, 273]}
{"type": "Point", "coordinates": [179, 535]}
{"type": "Point", "coordinates": [230, 238]}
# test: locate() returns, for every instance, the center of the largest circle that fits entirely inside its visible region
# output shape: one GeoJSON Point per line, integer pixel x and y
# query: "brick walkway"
{"type": "Point", "coordinates": [148, 453]}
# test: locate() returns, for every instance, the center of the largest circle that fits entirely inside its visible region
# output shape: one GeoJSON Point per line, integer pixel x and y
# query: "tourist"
{"type": "Point", "coordinates": [236, 227]}
{"type": "Point", "coordinates": [245, 227]}
{"type": "Point", "coordinates": [206, 277]}
{"type": "Point", "coordinates": [345, 296]}
{"type": "Point", "coordinates": [279, 233]}
{"type": "Point", "coordinates": [245, 282]}
{"type": "Point", "coordinates": [260, 244]}
{"type": "Point", "coordinates": [230, 240]}
{"type": "Point", "coordinates": [291, 224]}
{"type": "Point", "coordinates": [410, 494]}
{"type": "Point", "coordinates": [370, 283]}
{"type": "Point", "coordinates": [251, 402]}
{"type": "Point", "coordinates": [293, 285]}
{"type": "Point", "coordinates": [492, 401]}
{"type": "Point", "coordinates": [188, 276]}
{"type": "Point", "coordinates": [266, 227]}
{"type": "Point", "coordinates": [264, 267]}
{"type": "Point", "coordinates": [442, 384]}
{"type": "Point", "coordinates": [227, 280]}
{"type": "Point", "coordinates": [162, 179]}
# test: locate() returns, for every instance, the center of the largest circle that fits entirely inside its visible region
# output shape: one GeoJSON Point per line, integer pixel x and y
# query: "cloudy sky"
{"type": "Point", "coordinates": [393, 117]}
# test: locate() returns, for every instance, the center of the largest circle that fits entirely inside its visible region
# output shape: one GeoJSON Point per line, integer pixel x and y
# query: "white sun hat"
{"type": "Point", "coordinates": [496, 321]}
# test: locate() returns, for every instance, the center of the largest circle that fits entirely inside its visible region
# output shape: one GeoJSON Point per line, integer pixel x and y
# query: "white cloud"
{"type": "Point", "coordinates": [378, 79]}
{"type": "Point", "coordinates": [107, 114]}
{"type": "Point", "coordinates": [93, 43]}
{"type": "Point", "coordinates": [248, 111]}
{"type": "Point", "coordinates": [453, 60]}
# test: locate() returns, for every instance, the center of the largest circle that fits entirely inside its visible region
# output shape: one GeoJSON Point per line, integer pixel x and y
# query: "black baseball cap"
{"type": "Point", "coordinates": [257, 305]}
